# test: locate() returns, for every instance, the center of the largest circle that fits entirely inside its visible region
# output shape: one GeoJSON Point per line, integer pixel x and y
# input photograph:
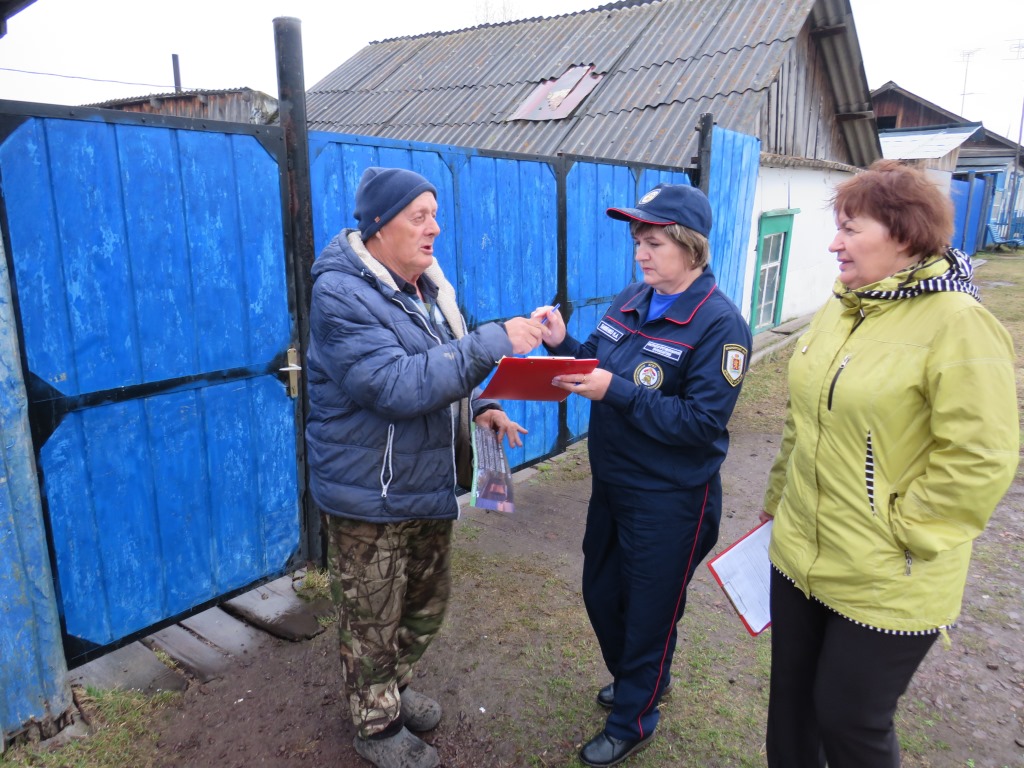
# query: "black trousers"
{"type": "Point", "coordinates": [834, 685]}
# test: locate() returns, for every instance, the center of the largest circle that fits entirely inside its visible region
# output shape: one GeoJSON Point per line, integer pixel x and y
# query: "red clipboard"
{"type": "Point", "coordinates": [743, 571]}
{"type": "Point", "coordinates": [529, 378]}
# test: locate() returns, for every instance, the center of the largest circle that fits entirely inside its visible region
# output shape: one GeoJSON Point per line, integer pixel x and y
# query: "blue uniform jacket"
{"type": "Point", "coordinates": [662, 424]}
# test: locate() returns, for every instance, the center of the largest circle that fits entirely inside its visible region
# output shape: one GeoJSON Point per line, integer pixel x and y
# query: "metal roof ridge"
{"type": "Point", "coordinates": [617, 6]}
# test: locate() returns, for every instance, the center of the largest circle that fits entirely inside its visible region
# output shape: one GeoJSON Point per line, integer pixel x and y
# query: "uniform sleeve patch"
{"type": "Point", "coordinates": [734, 361]}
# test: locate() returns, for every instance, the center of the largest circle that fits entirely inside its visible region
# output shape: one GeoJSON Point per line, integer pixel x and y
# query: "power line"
{"type": "Point", "coordinates": [80, 77]}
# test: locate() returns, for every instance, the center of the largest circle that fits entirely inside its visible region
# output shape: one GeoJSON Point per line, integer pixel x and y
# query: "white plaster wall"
{"type": "Point", "coordinates": [812, 269]}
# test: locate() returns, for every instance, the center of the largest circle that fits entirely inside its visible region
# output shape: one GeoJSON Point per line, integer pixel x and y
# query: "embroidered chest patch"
{"type": "Point", "coordinates": [609, 330]}
{"type": "Point", "coordinates": [649, 374]}
{"type": "Point", "coordinates": [733, 359]}
{"type": "Point", "coordinates": [663, 350]}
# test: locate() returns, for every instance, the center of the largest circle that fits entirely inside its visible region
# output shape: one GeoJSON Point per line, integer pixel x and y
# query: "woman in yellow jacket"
{"type": "Point", "coordinates": [901, 437]}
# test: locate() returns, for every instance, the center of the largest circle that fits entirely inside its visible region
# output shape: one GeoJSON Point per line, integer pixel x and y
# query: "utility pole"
{"type": "Point", "coordinates": [1011, 213]}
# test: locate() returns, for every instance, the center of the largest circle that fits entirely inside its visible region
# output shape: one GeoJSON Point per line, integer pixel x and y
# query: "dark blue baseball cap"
{"type": "Point", "coordinates": [670, 204]}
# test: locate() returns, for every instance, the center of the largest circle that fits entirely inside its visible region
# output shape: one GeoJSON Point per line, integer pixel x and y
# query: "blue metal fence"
{"type": "Point", "coordinates": [149, 271]}
{"type": "Point", "coordinates": [967, 198]}
{"type": "Point", "coordinates": [32, 667]}
{"type": "Point", "coordinates": [153, 297]}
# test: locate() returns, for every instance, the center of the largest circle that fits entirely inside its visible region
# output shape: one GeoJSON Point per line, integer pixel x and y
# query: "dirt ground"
{"type": "Point", "coordinates": [516, 667]}
{"type": "Point", "coordinates": [282, 706]}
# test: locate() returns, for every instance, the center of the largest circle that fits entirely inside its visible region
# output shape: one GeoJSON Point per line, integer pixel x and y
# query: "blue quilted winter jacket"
{"type": "Point", "coordinates": [385, 392]}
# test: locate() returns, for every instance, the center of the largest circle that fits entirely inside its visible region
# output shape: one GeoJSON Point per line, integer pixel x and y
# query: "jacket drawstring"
{"type": "Point", "coordinates": [386, 464]}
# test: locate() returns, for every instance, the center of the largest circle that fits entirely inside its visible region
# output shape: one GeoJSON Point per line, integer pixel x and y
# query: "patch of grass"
{"type": "Point", "coordinates": [467, 531]}
{"type": "Point", "coordinates": [915, 723]}
{"type": "Point", "coordinates": [315, 585]}
{"type": "Point", "coordinates": [120, 736]}
{"type": "Point", "coordinates": [165, 659]}
{"type": "Point", "coordinates": [762, 402]}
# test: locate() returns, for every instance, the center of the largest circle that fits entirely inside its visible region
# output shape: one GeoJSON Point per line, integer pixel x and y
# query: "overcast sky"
{"type": "Point", "coordinates": [228, 44]}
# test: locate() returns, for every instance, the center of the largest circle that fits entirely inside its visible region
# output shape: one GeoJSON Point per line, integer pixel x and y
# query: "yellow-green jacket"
{"type": "Point", "coordinates": [901, 437]}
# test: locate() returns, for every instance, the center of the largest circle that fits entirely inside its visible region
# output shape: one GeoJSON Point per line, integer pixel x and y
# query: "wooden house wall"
{"type": "Point", "coordinates": [235, 107]}
{"type": "Point", "coordinates": [908, 113]}
{"type": "Point", "coordinates": [797, 117]}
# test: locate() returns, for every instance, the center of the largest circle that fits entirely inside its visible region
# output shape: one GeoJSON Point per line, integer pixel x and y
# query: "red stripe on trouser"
{"type": "Point", "coordinates": [679, 599]}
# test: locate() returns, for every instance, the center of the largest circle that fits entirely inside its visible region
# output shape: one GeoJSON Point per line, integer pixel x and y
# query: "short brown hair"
{"type": "Point", "coordinates": [916, 212]}
{"type": "Point", "coordinates": [684, 237]}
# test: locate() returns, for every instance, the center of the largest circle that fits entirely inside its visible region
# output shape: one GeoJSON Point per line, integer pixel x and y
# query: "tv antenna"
{"type": "Point", "coordinates": [965, 56]}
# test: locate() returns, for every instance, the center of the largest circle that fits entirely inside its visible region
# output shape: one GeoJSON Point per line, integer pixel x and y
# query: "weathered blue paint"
{"type": "Point", "coordinates": [32, 668]}
{"type": "Point", "coordinates": [149, 260]}
{"type": "Point", "coordinates": [497, 243]}
{"type": "Point", "coordinates": [499, 220]}
{"type": "Point", "coordinates": [735, 160]}
{"type": "Point", "coordinates": [144, 256]}
{"type": "Point", "coordinates": [967, 208]}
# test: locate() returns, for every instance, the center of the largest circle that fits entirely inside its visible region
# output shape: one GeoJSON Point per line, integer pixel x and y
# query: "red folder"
{"type": "Point", "coordinates": [529, 378]}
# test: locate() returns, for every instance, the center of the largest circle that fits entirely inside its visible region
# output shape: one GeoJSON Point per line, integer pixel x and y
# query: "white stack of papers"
{"type": "Point", "coordinates": [744, 573]}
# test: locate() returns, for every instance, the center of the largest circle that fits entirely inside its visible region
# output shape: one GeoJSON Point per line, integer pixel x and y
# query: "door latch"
{"type": "Point", "coordinates": [293, 369]}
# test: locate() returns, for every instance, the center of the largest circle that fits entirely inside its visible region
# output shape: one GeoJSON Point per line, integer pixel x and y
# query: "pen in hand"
{"type": "Point", "coordinates": [545, 320]}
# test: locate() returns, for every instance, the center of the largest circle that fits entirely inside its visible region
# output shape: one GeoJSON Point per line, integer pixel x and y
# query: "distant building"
{"type": "Point", "coordinates": [978, 152]}
{"type": "Point", "coordinates": [235, 105]}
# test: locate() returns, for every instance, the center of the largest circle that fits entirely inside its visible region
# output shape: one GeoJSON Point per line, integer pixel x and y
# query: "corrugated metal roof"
{"type": "Point", "coordinates": [925, 143]}
{"type": "Point", "coordinates": [663, 63]}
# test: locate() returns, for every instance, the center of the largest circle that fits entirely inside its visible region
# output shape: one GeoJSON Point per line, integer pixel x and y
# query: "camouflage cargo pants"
{"type": "Point", "coordinates": [391, 586]}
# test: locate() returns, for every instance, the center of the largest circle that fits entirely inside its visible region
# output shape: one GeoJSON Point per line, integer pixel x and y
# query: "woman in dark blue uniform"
{"type": "Point", "coordinates": [673, 350]}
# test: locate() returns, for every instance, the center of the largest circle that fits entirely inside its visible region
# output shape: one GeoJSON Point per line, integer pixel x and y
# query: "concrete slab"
{"type": "Point", "coordinates": [201, 661]}
{"type": "Point", "coordinates": [133, 667]}
{"type": "Point", "coordinates": [222, 630]}
{"type": "Point", "coordinates": [275, 608]}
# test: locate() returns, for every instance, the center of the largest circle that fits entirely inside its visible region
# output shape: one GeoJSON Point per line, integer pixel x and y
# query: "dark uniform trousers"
{"type": "Point", "coordinates": [640, 550]}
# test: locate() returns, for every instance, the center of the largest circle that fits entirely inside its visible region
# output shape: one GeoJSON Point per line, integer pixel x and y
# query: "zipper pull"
{"type": "Point", "coordinates": [910, 561]}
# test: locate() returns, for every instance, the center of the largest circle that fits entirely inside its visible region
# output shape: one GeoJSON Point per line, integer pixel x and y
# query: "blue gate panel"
{"type": "Point", "coordinates": [967, 207]}
{"type": "Point", "coordinates": [489, 211]}
{"type": "Point", "coordinates": [150, 272]}
{"type": "Point", "coordinates": [335, 170]}
{"type": "Point", "coordinates": [599, 249]}
{"type": "Point", "coordinates": [140, 531]}
{"type": "Point", "coordinates": [32, 668]}
{"type": "Point", "coordinates": [508, 263]}
{"type": "Point", "coordinates": [499, 226]}
{"type": "Point", "coordinates": [157, 242]}
{"type": "Point", "coordinates": [732, 183]}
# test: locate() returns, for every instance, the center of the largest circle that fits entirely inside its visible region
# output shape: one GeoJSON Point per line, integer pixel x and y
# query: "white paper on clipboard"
{"type": "Point", "coordinates": [743, 571]}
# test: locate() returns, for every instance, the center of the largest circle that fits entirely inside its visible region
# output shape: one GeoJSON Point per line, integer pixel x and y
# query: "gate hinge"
{"type": "Point", "coordinates": [293, 369]}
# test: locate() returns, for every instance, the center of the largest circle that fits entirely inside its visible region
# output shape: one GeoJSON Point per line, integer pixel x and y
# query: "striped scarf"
{"type": "Point", "coordinates": [958, 277]}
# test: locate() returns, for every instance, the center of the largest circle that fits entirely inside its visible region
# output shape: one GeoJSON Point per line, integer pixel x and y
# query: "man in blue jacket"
{"type": "Point", "coordinates": [392, 377]}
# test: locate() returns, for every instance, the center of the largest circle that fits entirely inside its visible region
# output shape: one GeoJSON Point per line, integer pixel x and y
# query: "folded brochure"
{"type": "Point", "coordinates": [529, 378]}
{"type": "Point", "coordinates": [492, 479]}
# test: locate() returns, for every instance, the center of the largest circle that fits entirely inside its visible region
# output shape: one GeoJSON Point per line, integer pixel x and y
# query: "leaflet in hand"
{"type": "Point", "coordinates": [492, 480]}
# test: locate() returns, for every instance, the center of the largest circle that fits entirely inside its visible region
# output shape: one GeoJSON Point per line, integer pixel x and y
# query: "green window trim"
{"type": "Point", "coordinates": [771, 224]}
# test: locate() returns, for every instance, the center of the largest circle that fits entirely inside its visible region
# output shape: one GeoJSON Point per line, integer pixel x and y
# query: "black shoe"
{"type": "Point", "coordinates": [606, 696]}
{"type": "Point", "coordinates": [604, 750]}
